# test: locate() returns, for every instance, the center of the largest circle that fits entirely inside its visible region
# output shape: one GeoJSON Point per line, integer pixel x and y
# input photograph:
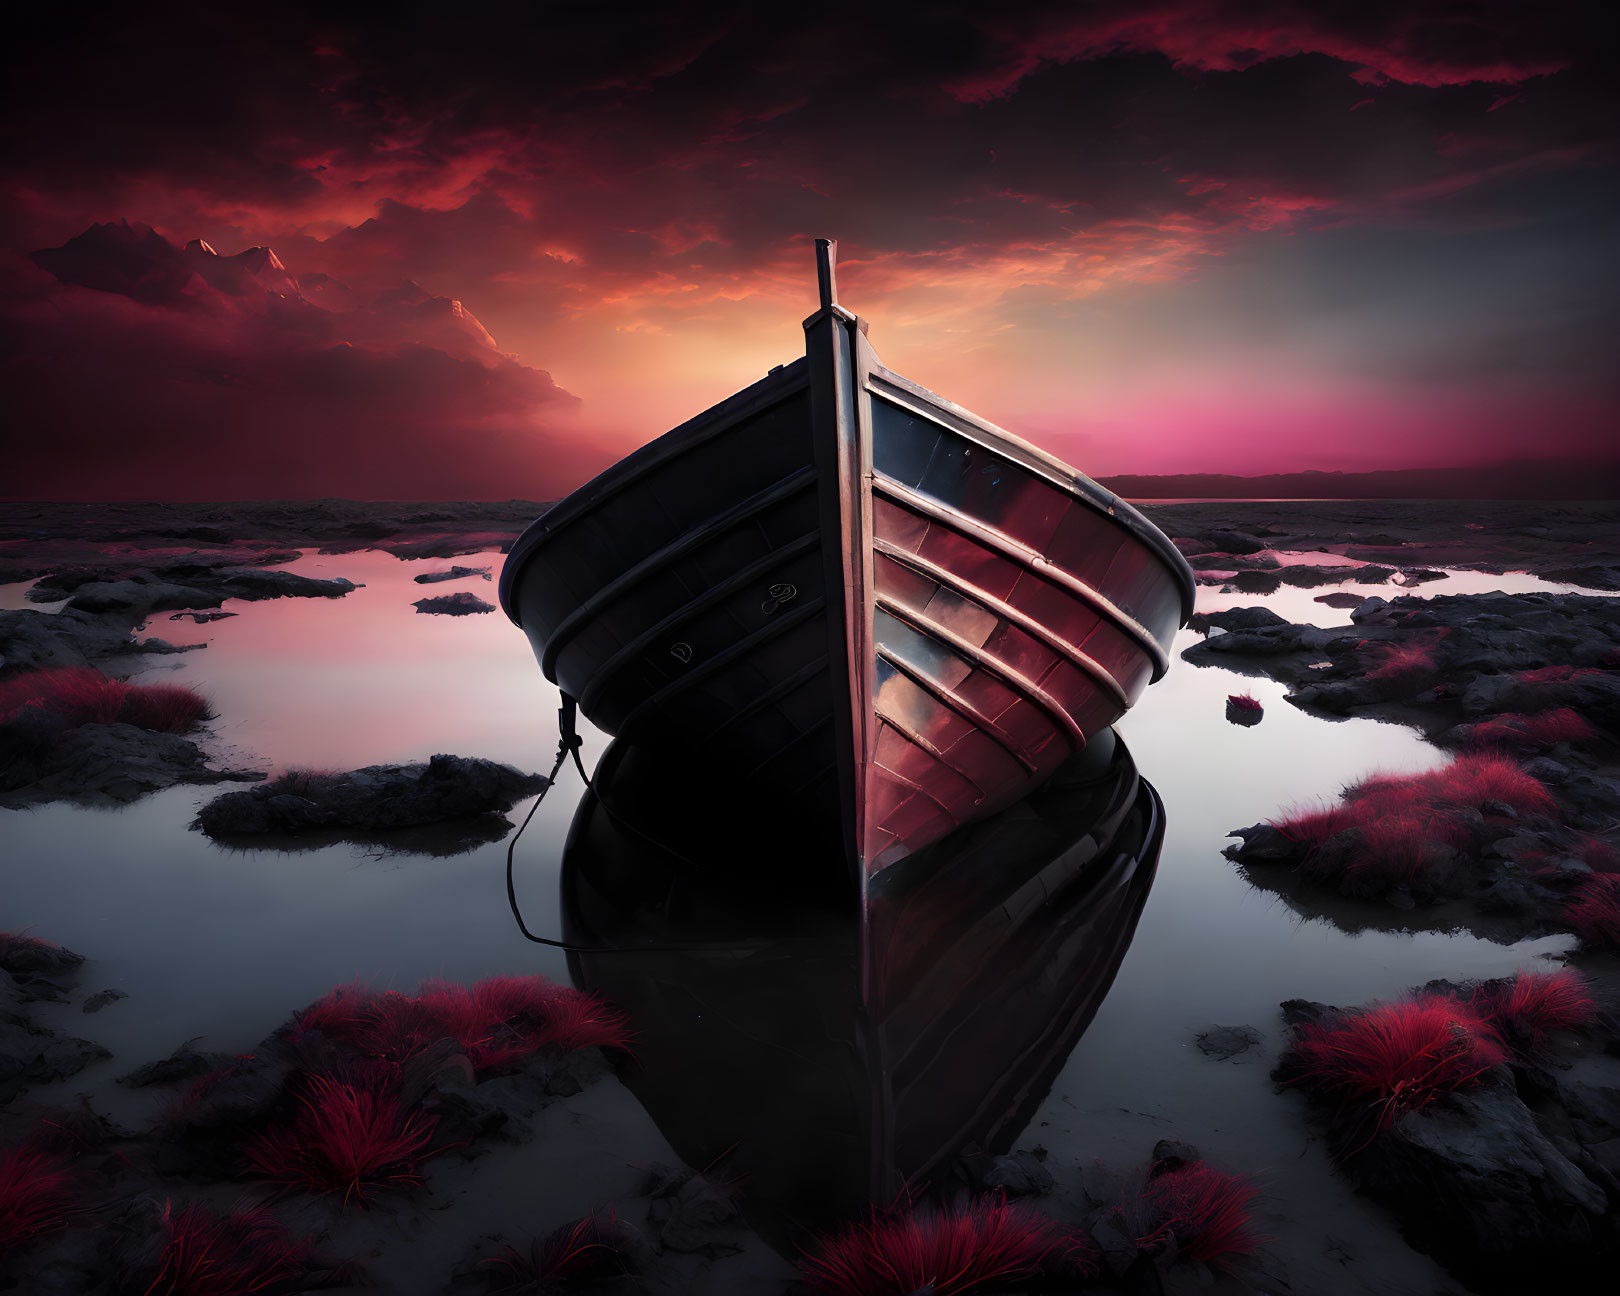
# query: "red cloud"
{"type": "Point", "coordinates": [1411, 44]}
{"type": "Point", "coordinates": [141, 370]}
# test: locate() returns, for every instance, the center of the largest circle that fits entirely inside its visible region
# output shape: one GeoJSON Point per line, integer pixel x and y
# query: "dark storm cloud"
{"type": "Point", "coordinates": [614, 123]}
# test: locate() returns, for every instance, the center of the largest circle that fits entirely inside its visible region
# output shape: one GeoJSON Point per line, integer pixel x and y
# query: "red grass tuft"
{"type": "Point", "coordinates": [498, 1022]}
{"type": "Point", "coordinates": [1598, 855]}
{"type": "Point", "coordinates": [1205, 1210]}
{"type": "Point", "coordinates": [979, 1248]}
{"type": "Point", "coordinates": [1555, 674]}
{"type": "Point", "coordinates": [1473, 780]}
{"type": "Point", "coordinates": [34, 1194]}
{"type": "Point", "coordinates": [1538, 1002]}
{"type": "Point", "coordinates": [205, 1254]}
{"type": "Point", "coordinates": [1405, 665]}
{"type": "Point", "coordinates": [1398, 1057]}
{"type": "Point", "coordinates": [1594, 910]}
{"type": "Point", "coordinates": [577, 1020]}
{"type": "Point", "coordinates": [298, 781]}
{"type": "Point", "coordinates": [1402, 846]}
{"type": "Point", "coordinates": [1560, 725]}
{"type": "Point", "coordinates": [347, 1139]}
{"type": "Point", "coordinates": [167, 708]}
{"type": "Point", "coordinates": [1313, 827]}
{"type": "Point", "coordinates": [80, 695]}
{"type": "Point", "coordinates": [1526, 731]}
{"type": "Point", "coordinates": [1244, 702]}
{"type": "Point", "coordinates": [342, 1013]}
{"type": "Point", "coordinates": [1407, 823]}
{"type": "Point", "coordinates": [589, 1250]}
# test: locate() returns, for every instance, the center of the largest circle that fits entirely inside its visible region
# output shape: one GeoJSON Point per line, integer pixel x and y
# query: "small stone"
{"type": "Point", "coordinates": [1225, 1042]}
{"type": "Point", "coordinates": [460, 603]}
{"type": "Point", "coordinates": [99, 1000]}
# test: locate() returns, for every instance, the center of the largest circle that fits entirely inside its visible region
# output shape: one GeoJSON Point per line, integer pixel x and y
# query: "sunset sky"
{"type": "Point", "coordinates": [1157, 237]}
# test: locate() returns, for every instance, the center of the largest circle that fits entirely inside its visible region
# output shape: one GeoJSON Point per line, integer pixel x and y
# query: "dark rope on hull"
{"type": "Point", "coordinates": [568, 745]}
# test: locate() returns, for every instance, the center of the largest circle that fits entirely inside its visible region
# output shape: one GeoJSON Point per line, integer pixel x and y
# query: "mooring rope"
{"type": "Point", "coordinates": [568, 745]}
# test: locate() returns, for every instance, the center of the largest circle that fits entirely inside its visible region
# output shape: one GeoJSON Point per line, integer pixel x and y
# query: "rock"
{"type": "Point", "coordinates": [1233, 562]}
{"type": "Point", "coordinates": [101, 764]}
{"type": "Point", "coordinates": [243, 1092]}
{"type": "Point", "coordinates": [1243, 714]}
{"type": "Point", "coordinates": [1264, 844]}
{"type": "Point", "coordinates": [376, 797]}
{"type": "Point", "coordinates": [99, 1000]}
{"type": "Point", "coordinates": [1474, 1179]}
{"type": "Point", "coordinates": [1417, 575]}
{"type": "Point", "coordinates": [1241, 618]}
{"type": "Point", "coordinates": [249, 583]}
{"type": "Point", "coordinates": [1018, 1174]}
{"type": "Point", "coordinates": [460, 603]}
{"type": "Point", "coordinates": [1232, 542]}
{"type": "Point", "coordinates": [1175, 1151]}
{"type": "Point", "coordinates": [1591, 576]}
{"type": "Point", "coordinates": [182, 1064]}
{"type": "Point", "coordinates": [38, 640]}
{"type": "Point", "coordinates": [1225, 1042]}
{"type": "Point", "coordinates": [688, 1214]}
{"type": "Point", "coordinates": [1547, 771]}
{"type": "Point", "coordinates": [138, 596]}
{"type": "Point", "coordinates": [1309, 575]}
{"type": "Point", "coordinates": [34, 1055]}
{"type": "Point", "coordinates": [1371, 610]}
{"type": "Point", "coordinates": [1341, 599]}
{"type": "Point", "coordinates": [26, 957]}
{"type": "Point", "coordinates": [201, 618]}
{"type": "Point", "coordinates": [454, 573]}
{"type": "Point", "coordinates": [1266, 641]}
{"type": "Point", "coordinates": [1254, 582]}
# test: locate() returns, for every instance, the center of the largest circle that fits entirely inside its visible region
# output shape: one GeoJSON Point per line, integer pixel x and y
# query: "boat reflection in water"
{"type": "Point", "coordinates": [819, 1057]}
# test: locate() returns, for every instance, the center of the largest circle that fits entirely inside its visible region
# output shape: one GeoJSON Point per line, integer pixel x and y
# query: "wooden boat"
{"type": "Point", "coordinates": [822, 1057]}
{"type": "Point", "coordinates": [838, 580]}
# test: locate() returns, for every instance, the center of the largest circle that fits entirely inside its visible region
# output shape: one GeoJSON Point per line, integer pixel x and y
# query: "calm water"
{"type": "Point", "coordinates": [223, 945]}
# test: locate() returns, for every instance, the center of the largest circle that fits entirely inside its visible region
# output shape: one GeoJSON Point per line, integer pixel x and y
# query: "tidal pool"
{"type": "Point", "coordinates": [221, 945]}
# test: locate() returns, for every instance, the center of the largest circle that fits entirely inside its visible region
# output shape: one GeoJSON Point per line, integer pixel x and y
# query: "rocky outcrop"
{"type": "Point", "coordinates": [460, 603]}
{"type": "Point", "coordinates": [377, 797]}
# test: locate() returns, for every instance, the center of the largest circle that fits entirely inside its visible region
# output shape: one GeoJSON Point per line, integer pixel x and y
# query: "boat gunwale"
{"type": "Point", "coordinates": [919, 400]}
{"type": "Point", "coordinates": [775, 387]}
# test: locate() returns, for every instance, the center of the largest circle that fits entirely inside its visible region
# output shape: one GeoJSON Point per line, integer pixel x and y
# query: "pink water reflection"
{"type": "Point", "coordinates": [339, 683]}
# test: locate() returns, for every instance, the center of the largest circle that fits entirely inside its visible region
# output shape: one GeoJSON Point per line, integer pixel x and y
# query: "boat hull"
{"type": "Point", "coordinates": [839, 581]}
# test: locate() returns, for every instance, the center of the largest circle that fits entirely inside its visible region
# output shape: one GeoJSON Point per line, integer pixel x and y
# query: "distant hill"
{"type": "Point", "coordinates": [1521, 479]}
